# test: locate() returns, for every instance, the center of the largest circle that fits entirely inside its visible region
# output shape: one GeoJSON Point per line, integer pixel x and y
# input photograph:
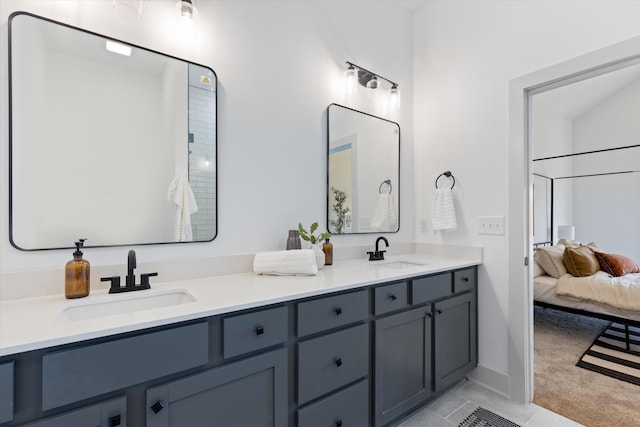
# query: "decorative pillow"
{"type": "Point", "coordinates": [537, 269]}
{"type": "Point", "coordinates": [577, 244]}
{"type": "Point", "coordinates": [617, 265]}
{"type": "Point", "coordinates": [550, 259]}
{"type": "Point", "coordinates": [581, 261]}
{"type": "Point", "coordinates": [569, 243]}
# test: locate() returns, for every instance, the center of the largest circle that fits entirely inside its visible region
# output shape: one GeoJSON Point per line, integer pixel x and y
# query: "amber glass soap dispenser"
{"type": "Point", "coordinates": [76, 283]}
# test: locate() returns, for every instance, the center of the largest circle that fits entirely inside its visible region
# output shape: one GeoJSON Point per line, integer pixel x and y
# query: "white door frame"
{"type": "Point", "coordinates": [520, 229]}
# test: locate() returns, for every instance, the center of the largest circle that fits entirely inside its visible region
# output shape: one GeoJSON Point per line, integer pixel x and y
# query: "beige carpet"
{"type": "Point", "coordinates": [587, 397]}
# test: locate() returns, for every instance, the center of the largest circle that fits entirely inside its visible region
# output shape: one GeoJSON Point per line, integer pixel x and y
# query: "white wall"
{"type": "Point", "coordinates": [607, 206]}
{"type": "Point", "coordinates": [552, 135]}
{"type": "Point", "coordinates": [466, 53]}
{"type": "Point", "coordinates": [279, 64]}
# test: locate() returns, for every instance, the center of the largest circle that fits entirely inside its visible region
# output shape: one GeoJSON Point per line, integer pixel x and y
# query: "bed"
{"type": "Point", "coordinates": [607, 288]}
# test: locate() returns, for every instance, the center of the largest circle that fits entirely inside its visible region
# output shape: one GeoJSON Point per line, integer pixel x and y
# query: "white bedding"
{"type": "Point", "coordinates": [544, 290]}
{"type": "Point", "coordinates": [620, 292]}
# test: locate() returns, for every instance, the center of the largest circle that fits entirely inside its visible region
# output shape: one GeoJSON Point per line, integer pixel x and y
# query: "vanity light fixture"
{"type": "Point", "coordinates": [370, 80]}
{"type": "Point", "coordinates": [118, 48]}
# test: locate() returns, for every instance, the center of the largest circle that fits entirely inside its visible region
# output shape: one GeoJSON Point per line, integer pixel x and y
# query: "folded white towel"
{"type": "Point", "coordinates": [283, 263]}
{"type": "Point", "coordinates": [385, 218]}
{"type": "Point", "coordinates": [181, 195]}
{"type": "Point", "coordinates": [443, 212]}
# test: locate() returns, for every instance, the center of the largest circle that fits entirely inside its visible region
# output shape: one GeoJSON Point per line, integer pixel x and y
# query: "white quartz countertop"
{"type": "Point", "coordinates": [35, 323]}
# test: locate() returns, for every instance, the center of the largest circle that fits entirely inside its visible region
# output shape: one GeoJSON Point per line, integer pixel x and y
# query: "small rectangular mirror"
{"type": "Point", "coordinates": [363, 172]}
{"type": "Point", "coordinates": [108, 141]}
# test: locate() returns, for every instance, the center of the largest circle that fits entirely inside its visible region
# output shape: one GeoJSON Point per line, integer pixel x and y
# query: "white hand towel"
{"type": "Point", "coordinates": [443, 212]}
{"type": "Point", "coordinates": [181, 195]}
{"type": "Point", "coordinates": [385, 218]}
{"type": "Point", "coordinates": [283, 263]}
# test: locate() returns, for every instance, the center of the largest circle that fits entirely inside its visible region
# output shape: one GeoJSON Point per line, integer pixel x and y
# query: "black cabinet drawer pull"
{"type": "Point", "coordinates": [338, 311]}
{"type": "Point", "coordinates": [465, 279]}
{"type": "Point", "coordinates": [157, 407]}
{"type": "Point", "coordinates": [439, 311]}
{"type": "Point", "coordinates": [259, 330]}
{"type": "Point", "coordinates": [339, 423]}
{"type": "Point", "coordinates": [338, 362]}
{"type": "Point", "coordinates": [392, 297]}
{"type": "Point", "coordinates": [429, 315]}
{"type": "Point", "coordinates": [114, 421]}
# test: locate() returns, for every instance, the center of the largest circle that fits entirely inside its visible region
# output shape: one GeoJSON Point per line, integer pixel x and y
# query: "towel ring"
{"type": "Point", "coordinates": [388, 182]}
{"type": "Point", "coordinates": [448, 174]}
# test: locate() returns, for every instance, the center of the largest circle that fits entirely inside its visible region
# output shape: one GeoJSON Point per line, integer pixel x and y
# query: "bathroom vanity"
{"type": "Point", "coordinates": [359, 344]}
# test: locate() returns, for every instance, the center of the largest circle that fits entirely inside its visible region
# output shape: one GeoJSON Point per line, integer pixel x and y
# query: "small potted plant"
{"type": "Point", "coordinates": [315, 241]}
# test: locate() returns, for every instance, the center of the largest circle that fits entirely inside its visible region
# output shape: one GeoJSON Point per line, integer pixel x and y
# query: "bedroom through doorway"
{"type": "Point", "coordinates": [583, 133]}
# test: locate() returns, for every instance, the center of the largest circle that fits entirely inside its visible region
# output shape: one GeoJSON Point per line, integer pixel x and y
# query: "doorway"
{"type": "Point", "coordinates": [521, 197]}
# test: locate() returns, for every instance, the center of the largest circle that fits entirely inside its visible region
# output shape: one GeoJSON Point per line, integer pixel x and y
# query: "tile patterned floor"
{"type": "Point", "coordinates": [454, 406]}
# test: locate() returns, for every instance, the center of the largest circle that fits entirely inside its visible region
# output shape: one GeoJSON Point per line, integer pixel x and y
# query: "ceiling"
{"type": "Point", "coordinates": [575, 99]}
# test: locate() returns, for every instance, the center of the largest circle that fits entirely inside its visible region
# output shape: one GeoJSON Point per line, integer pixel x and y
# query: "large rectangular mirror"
{"type": "Point", "coordinates": [108, 141]}
{"type": "Point", "coordinates": [363, 172]}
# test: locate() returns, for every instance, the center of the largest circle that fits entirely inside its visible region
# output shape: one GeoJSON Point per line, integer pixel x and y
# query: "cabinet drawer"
{"type": "Point", "coordinates": [111, 413]}
{"type": "Point", "coordinates": [330, 312]}
{"type": "Point", "coordinates": [390, 297]}
{"type": "Point", "coordinates": [430, 288]}
{"type": "Point", "coordinates": [72, 375]}
{"type": "Point", "coordinates": [254, 331]}
{"type": "Point", "coordinates": [464, 280]}
{"type": "Point", "coordinates": [251, 392]}
{"type": "Point", "coordinates": [6, 392]}
{"type": "Point", "coordinates": [349, 407]}
{"type": "Point", "coordinates": [331, 361]}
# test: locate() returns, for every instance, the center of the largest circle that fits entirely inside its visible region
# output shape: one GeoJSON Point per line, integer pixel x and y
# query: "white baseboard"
{"type": "Point", "coordinates": [493, 380]}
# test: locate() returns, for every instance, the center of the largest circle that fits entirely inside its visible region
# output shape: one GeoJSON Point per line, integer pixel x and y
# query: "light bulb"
{"type": "Point", "coordinates": [186, 9]}
{"type": "Point", "coordinates": [394, 93]}
{"type": "Point", "coordinates": [373, 83]}
{"type": "Point", "coordinates": [352, 76]}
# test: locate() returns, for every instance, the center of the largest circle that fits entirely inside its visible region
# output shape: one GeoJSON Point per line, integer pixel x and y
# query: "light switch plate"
{"type": "Point", "coordinates": [491, 225]}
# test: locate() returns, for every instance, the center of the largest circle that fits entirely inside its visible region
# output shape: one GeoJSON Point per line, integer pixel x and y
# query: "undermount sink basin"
{"type": "Point", "coordinates": [109, 305]}
{"type": "Point", "coordinates": [399, 265]}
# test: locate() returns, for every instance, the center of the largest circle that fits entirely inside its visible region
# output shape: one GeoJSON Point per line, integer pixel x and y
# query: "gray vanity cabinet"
{"type": "Point", "coordinates": [402, 363]}
{"type": "Point", "coordinates": [421, 351]}
{"type": "Point", "coordinates": [251, 392]}
{"type": "Point", "coordinates": [359, 357]}
{"type": "Point", "coordinates": [455, 339]}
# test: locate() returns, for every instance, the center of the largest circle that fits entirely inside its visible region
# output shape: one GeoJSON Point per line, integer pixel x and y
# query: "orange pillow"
{"type": "Point", "coordinates": [617, 265]}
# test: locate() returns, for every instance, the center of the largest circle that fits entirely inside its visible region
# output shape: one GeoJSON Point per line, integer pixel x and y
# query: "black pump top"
{"type": "Point", "coordinates": [79, 244]}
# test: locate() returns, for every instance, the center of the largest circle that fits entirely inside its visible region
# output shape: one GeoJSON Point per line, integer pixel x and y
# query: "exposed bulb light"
{"type": "Point", "coordinates": [118, 48]}
{"type": "Point", "coordinates": [351, 75]}
{"type": "Point", "coordinates": [186, 9]}
{"type": "Point", "coordinates": [394, 93]}
{"type": "Point", "coordinates": [372, 83]}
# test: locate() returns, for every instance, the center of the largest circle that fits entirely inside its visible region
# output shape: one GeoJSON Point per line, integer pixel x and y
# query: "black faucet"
{"type": "Point", "coordinates": [130, 279]}
{"type": "Point", "coordinates": [131, 265]}
{"type": "Point", "coordinates": [378, 255]}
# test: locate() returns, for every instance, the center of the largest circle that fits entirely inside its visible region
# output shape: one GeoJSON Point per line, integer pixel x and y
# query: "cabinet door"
{"type": "Point", "coordinates": [455, 339]}
{"type": "Point", "coordinates": [402, 363]}
{"type": "Point", "coordinates": [6, 392]}
{"type": "Point", "coordinates": [111, 413]}
{"type": "Point", "coordinates": [251, 392]}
